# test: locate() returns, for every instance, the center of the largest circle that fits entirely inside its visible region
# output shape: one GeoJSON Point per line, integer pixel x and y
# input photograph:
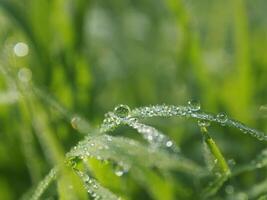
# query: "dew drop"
{"type": "Point", "coordinates": [25, 75]}
{"type": "Point", "coordinates": [231, 162]}
{"type": "Point", "coordinates": [222, 117]}
{"type": "Point", "coordinates": [203, 123]}
{"type": "Point", "coordinates": [80, 124]}
{"type": "Point", "coordinates": [94, 194]}
{"type": "Point", "coordinates": [150, 138]}
{"type": "Point", "coordinates": [92, 144]}
{"type": "Point", "coordinates": [119, 172]}
{"type": "Point", "coordinates": [21, 49]}
{"type": "Point", "coordinates": [122, 111]}
{"type": "Point", "coordinates": [229, 189]}
{"type": "Point", "coordinates": [75, 121]}
{"type": "Point", "coordinates": [109, 138]}
{"type": "Point", "coordinates": [169, 143]}
{"type": "Point", "coordinates": [194, 105]}
{"type": "Point", "coordinates": [86, 179]}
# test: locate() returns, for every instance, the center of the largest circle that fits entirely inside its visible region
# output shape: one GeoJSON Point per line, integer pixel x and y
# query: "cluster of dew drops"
{"type": "Point", "coordinates": [123, 112]}
{"type": "Point", "coordinates": [119, 169]}
{"type": "Point", "coordinates": [150, 133]}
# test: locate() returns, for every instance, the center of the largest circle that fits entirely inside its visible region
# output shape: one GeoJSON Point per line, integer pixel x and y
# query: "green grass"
{"type": "Point", "coordinates": [161, 154]}
{"type": "Point", "coordinates": [148, 57]}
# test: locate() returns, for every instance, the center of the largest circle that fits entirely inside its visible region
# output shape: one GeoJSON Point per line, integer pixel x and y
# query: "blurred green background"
{"type": "Point", "coordinates": [93, 55]}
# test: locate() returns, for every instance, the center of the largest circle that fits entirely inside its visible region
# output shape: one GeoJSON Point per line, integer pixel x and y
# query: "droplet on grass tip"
{"type": "Point", "coordinates": [21, 49]}
{"type": "Point", "coordinates": [25, 74]}
{"type": "Point", "coordinates": [122, 111]}
{"type": "Point", "coordinates": [75, 122]}
{"type": "Point", "coordinates": [203, 123]}
{"type": "Point", "coordinates": [194, 105]}
{"type": "Point", "coordinates": [80, 124]}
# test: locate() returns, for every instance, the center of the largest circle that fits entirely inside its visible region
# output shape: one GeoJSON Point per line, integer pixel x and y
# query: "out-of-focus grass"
{"type": "Point", "coordinates": [93, 55]}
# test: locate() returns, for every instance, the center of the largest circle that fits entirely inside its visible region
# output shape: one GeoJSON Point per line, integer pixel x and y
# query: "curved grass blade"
{"type": "Point", "coordinates": [259, 162]}
{"type": "Point", "coordinates": [95, 189]}
{"type": "Point", "coordinates": [187, 111]}
{"type": "Point", "coordinates": [224, 170]}
{"type": "Point", "coordinates": [43, 185]}
{"type": "Point", "coordinates": [129, 153]}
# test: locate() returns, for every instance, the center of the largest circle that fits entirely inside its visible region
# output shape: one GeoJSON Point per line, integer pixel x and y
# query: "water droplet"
{"type": "Point", "coordinates": [21, 49]}
{"type": "Point", "coordinates": [119, 172]}
{"type": "Point", "coordinates": [150, 138]}
{"type": "Point", "coordinates": [169, 143]}
{"type": "Point", "coordinates": [95, 186]}
{"type": "Point", "coordinates": [94, 194]}
{"type": "Point", "coordinates": [122, 111]}
{"type": "Point", "coordinates": [92, 144]}
{"type": "Point", "coordinates": [86, 179]}
{"type": "Point", "coordinates": [231, 162]}
{"type": "Point", "coordinates": [229, 189]}
{"type": "Point", "coordinates": [203, 123]}
{"type": "Point", "coordinates": [194, 105]}
{"type": "Point", "coordinates": [222, 117]}
{"type": "Point", "coordinates": [25, 74]}
{"type": "Point", "coordinates": [80, 124]}
{"type": "Point", "coordinates": [75, 121]}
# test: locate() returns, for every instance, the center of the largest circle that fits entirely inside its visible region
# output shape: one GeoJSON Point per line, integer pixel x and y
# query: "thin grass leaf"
{"type": "Point", "coordinates": [187, 111]}
{"type": "Point", "coordinates": [258, 163]}
{"type": "Point", "coordinates": [43, 185]}
{"type": "Point", "coordinates": [224, 171]}
{"type": "Point", "coordinates": [129, 153]}
{"type": "Point", "coordinates": [95, 189]}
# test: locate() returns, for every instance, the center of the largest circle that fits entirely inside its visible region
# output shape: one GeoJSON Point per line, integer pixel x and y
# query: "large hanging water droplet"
{"type": "Point", "coordinates": [222, 117]}
{"type": "Point", "coordinates": [21, 49]}
{"type": "Point", "coordinates": [122, 111]}
{"type": "Point", "coordinates": [25, 75]}
{"type": "Point", "coordinates": [194, 105]}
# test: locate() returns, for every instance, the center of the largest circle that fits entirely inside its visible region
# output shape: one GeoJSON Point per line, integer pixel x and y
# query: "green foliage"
{"type": "Point", "coordinates": [64, 63]}
{"type": "Point", "coordinates": [129, 155]}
